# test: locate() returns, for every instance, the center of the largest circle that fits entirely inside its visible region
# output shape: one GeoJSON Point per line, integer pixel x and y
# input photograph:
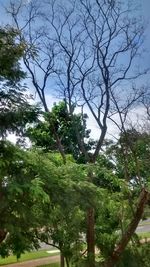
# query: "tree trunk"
{"type": "Point", "coordinates": [90, 238]}
{"type": "Point", "coordinates": [120, 247]}
{"type": "Point", "coordinates": [67, 262]}
{"type": "Point", "coordinates": [62, 260]}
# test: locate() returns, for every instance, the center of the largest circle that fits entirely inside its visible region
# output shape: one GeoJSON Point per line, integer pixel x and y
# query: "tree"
{"type": "Point", "coordinates": [64, 218]}
{"type": "Point", "coordinates": [20, 193]}
{"type": "Point", "coordinates": [10, 54]}
{"type": "Point", "coordinates": [15, 113]}
{"type": "Point", "coordinates": [90, 50]}
{"type": "Point", "coordinates": [15, 110]}
{"type": "Point", "coordinates": [42, 136]}
{"type": "Point", "coordinates": [131, 155]}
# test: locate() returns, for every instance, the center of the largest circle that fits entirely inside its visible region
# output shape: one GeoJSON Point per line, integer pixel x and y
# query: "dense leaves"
{"type": "Point", "coordinates": [17, 189]}
{"type": "Point", "coordinates": [10, 54]}
{"type": "Point", "coordinates": [20, 190]}
{"type": "Point", "coordinates": [65, 125]}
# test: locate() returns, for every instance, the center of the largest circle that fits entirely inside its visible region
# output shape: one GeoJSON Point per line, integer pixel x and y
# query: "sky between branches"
{"type": "Point", "coordinates": [137, 113]}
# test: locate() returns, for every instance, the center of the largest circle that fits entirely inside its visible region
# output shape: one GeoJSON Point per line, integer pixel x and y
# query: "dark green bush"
{"type": "Point", "coordinates": [136, 256]}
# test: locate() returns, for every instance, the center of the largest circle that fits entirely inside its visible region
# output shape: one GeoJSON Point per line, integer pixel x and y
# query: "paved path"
{"type": "Point", "coordinates": [34, 263]}
{"type": "Point", "coordinates": [144, 227]}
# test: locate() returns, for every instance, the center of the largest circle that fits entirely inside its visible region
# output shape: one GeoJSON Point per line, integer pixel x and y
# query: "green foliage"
{"type": "Point", "coordinates": [17, 197]}
{"type": "Point", "coordinates": [15, 111]}
{"type": "Point", "coordinates": [52, 194]}
{"type": "Point", "coordinates": [135, 256]}
{"type": "Point", "coordinates": [21, 194]}
{"type": "Point", "coordinates": [64, 217]}
{"type": "Point", "coordinates": [108, 216]}
{"type": "Point", "coordinates": [66, 126]}
{"type": "Point", "coordinates": [133, 148]}
{"type": "Point", "coordinates": [15, 114]}
{"type": "Point", "coordinates": [10, 54]}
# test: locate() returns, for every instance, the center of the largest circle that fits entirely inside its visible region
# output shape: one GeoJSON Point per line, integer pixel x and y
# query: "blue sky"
{"type": "Point", "coordinates": [144, 10]}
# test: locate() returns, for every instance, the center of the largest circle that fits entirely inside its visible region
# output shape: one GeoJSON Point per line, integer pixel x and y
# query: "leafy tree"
{"type": "Point", "coordinates": [10, 54]}
{"type": "Point", "coordinates": [132, 157]}
{"type": "Point", "coordinates": [63, 222]}
{"type": "Point", "coordinates": [15, 113]}
{"type": "Point", "coordinates": [20, 191]}
{"type": "Point", "coordinates": [15, 110]}
{"type": "Point", "coordinates": [60, 119]}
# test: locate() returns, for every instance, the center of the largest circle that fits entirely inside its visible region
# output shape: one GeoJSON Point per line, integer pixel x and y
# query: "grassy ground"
{"type": "Point", "coordinates": [27, 256]}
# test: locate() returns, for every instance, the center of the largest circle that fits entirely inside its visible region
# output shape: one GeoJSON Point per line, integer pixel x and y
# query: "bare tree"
{"type": "Point", "coordinates": [87, 51]}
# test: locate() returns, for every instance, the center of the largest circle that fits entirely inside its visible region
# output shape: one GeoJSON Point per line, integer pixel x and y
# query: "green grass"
{"type": "Point", "coordinates": [27, 256]}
